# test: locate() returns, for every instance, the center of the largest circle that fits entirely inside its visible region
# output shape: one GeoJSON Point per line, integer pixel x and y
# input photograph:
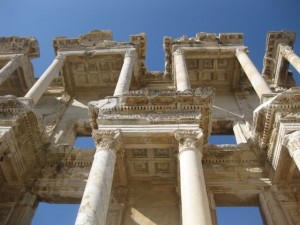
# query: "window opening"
{"type": "Point", "coordinates": [58, 214]}
{"type": "Point", "coordinates": [249, 215]}
{"type": "Point", "coordinates": [84, 142]}
{"type": "Point", "coordinates": [221, 139]}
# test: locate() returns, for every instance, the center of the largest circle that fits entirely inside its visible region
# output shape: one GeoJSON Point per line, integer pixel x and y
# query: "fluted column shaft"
{"type": "Point", "coordinates": [125, 74]}
{"type": "Point", "coordinates": [194, 200]}
{"type": "Point", "coordinates": [95, 201]}
{"type": "Point", "coordinates": [9, 68]}
{"type": "Point", "coordinates": [257, 81]}
{"type": "Point", "coordinates": [39, 88]}
{"type": "Point", "coordinates": [288, 53]}
{"type": "Point", "coordinates": [182, 77]}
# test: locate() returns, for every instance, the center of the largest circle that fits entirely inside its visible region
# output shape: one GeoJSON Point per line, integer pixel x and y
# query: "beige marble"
{"type": "Point", "coordinates": [45, 79]}
{"type": "Point", "coordinates": [257, 81]}
{"type": "Point", "coordinates": [125, 74]}
{"type": "Point", "coordinates": [153, 162]}
{"type": "Point", "coordinates": [291, 56]}
{"type": "Point", "coordinates": [194, 201]}
{"type": "Point", "coordinates": [10, 67]}
{"type": "Point", "coordinates": [181, 73]}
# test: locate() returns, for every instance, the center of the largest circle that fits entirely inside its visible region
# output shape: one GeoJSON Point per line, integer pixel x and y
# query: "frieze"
{"type": "Point", "coordinates": [149, 140]}
{"type": "Point", "coordinates": [229, 154]}
{"type": "Point", "coordinates": [95, 39]}
{"type": "Point", "coordinates": [264, 116]}
{"type": "Point", "coordinates": [65, 155]}
{"type": "Point", "coordinates": [25, 45]}
{"type": "Point", "coordinates": [174, 117]}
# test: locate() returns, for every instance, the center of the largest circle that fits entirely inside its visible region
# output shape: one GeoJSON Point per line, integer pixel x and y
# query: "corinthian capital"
{"type": "Point", "coordinates": [240, 50]}
{"type": "Point", "coordinates": [189, 139]}
{"type": "Point", "coordinates": [109, 140]}
{"type": "Point", "coordinates": [179, 51]}
{"type": "Point", "coordinates": [130, 53]}
{"type": "Point", "coordinates": [285, 50]}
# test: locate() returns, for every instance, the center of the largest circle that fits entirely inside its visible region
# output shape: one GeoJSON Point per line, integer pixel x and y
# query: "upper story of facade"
{"type": "Point", "coordinates": [209, 82]}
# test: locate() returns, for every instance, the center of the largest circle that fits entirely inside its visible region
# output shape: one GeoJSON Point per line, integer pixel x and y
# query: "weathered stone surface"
{"type": "Point", "coordinates": [152, 162]}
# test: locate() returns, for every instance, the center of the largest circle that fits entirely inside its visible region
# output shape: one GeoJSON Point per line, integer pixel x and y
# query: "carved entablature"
{"type": "Point", "coordinates": [20, 45]}
{"type": "Point", "coordinates": [97, 39]}
{"type": "Point", "coordinates": [26, 145]}
{"type": "Point", "coordinates": [140, 43]}
{"type": "Point", "coordinates": [283, 107]}
{"type": "Point", "coordinates": [200, 40]}
{"type": "Point", "coordinates": [275, 68]}
{"type": "Point", "coordinates": [155, 107]}
{"type": "Point", "coordinates": [67, 156]}
{"type": "Point", "coordinates": [230, 154]}
{"type": "Point", "coordinates": [157, 79]}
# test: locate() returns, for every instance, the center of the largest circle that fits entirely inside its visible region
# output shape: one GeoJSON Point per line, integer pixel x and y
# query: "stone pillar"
{"type": "Point", "coordinates": [288, 53]}
{"type": "Point", "coordinates": [23, 211]}
{"type": "Point", "coordinates": [125, 74]}
{"type": "Point", "coordinates": [241, 132]}
{"type": "Point", "coordinates": [257, 81]}
{"type": "Point", "coordinates": [95, 201]}
{"type": "Point", "coordinates": [181, 73]}
{"type": "Point", "coordinates": [38, 89]}
{"type": "Point", "coordinates": [195, 207]}
{"type": "Point", "coordinates": [10, 67]}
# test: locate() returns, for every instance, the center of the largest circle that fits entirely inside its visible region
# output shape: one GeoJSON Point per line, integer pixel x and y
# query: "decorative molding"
{"type": "Point", "coordinates": [108, 140]}
{"type": "Point", "coordinates": [20, 45]}
{"type": "Point", "coordinates": [130, 53]}
{"type": "Point", "coordinates": [240, 51]}
{"type": "Point", "coordinates": [189, 139]}
{"type": "Point", "coordinates": [286, 50]}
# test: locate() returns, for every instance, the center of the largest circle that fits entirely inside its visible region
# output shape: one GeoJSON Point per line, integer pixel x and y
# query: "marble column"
{"type": "Point", "coordinates": [257, 81]}
{"type": "Point", "coordinates": [95, 201]}
{"type": "Point", "coordinates": [288, 53]}
{"type": "Point", "coordinates": [125, 74]}
{"type": "Point", "coordinates": [39, 88]}
{"type": "Point", "coordinates": [181, 73]}
{"type": "Point", "coordinates": [194, 200]}
{"type": "Point", "coordinates": [10, 67]}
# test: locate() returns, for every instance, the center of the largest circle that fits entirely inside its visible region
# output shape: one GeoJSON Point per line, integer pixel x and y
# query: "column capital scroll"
{"type": "Point", "coordinates": [285, 50]}
{"type": "Point", "coordinates": [109, 140]}
{"type": "Point", "coordinates": [60, 55]}
{"type": "Point", "coordinates": [240, 50]}
{"type": "Point", "coordinates": [179, 51]}
{"type": "Point", "coordinates": [189, 139]}
{"type": "Point", "coordinates": [130, 53]}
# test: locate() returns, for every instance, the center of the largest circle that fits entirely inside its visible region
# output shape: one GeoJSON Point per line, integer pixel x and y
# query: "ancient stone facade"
{"type": "Point", "coordinates": [153, 163]}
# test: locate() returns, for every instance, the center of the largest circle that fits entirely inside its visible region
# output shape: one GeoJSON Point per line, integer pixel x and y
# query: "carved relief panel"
{"type": "Point", "coordinates": [151, 162]}
{"type": "Point", "coordinates": [101, 71]}
{"type": "Point", "coordinates": [212, 71]}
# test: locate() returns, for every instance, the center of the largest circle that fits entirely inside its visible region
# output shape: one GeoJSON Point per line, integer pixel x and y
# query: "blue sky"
{"type": "Point", "coordinates": [48, 19]}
